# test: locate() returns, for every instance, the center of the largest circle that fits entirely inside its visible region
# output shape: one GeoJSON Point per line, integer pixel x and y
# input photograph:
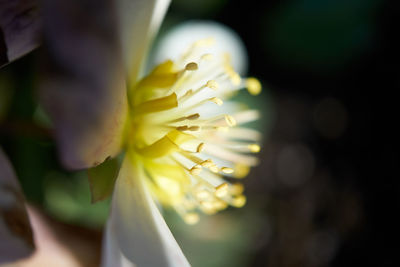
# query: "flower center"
{"type": "Point", "coordinates": [190, 143]}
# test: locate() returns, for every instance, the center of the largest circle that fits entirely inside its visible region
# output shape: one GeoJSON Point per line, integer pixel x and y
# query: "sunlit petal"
{"type": "Point", "coordinates": [140, 230]}
{"type": "Point", "coordinates": [139, 21]}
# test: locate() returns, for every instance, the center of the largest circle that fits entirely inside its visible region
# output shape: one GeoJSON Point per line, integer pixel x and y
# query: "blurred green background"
{"type": "Point", "coordinates": [316, 199]}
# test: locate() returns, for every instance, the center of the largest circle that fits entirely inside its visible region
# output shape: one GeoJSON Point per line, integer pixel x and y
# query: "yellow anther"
{"type": "Point", "coordinates": [212, 84]}
{"type": "Point", "coordinates": [254, 148]}
{"type": "Point", "coordinates": [188, 93]}
{"type": "Point", "coordinates": [191, 66]}
{"type": "Point", "coordinates": [207, 163]}
{"type": "Point", "coordinates": [191, 218]}
{"type": "Point", "coordinates": [236, 189]}
{"type": "Point", "coordinates": [200, 147]}
{"type": "Point", "coordinates": [195, 170]}
{"type": "Point", "coordinates": [241, 170]}
{"type": "Point", "coordinates": [182, 128]}
{"type": "Point", "coordinates": [220, 205]}
{"type": "Point", "coordinates": [207, 205]}
{"type": "Point", "coordinates": [194, 116]}
{"type": "Point", "coordinates": [221, 190]}
{"type": "Point", "coordinates": [235, 78]}
{"type": "Point", "coordinates": [227, 170]}
{"type": "Point", "coordinates": [230, 120]}
{"type": "Point", "coordinates": [217, 101]}
{"type": "Point", "coordinates": [214, 168]}
{"type": "Point", "coordinates": [239, 201]}
{"type": "Point", "coordinates": [253, 86]}
{"type": "Point", "coordinates": [193, 128]}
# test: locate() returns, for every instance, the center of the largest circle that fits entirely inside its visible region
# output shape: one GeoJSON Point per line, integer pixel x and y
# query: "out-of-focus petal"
{"type": "Point", "coordinates": [15, 230]}
{"type": "Point", "coordinates": [112, 255]}
{"type": "Point", "coordinates": [139, 22]}
{"type": "Point", "coordinates": [83, 88]}
{"type": "Point", "coordinates": [141, 233]}
{"type": "Point", "coordinates": [179, 38]}
{"type": "Point", "coordinates": [20, 28]}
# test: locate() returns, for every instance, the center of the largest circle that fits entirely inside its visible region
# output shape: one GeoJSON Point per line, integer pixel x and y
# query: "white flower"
{"type": "Point", "coordinates": [180, 138]}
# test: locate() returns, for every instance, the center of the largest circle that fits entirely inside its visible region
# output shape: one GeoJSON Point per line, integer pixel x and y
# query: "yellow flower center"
{"type": "Point", "coordinates": [191, 143]}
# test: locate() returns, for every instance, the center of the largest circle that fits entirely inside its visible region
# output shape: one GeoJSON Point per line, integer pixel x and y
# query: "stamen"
{"type": "Point", "coordinates": [253, 86]}
{"type": "Point", "coordinates": [200, 147]}
{"type": "Point", "coordinates": [221, 190]}
{"type": "Point", "coordinates": [207, 163]}
{"type": "Point", "coordinates": [158, 104]}
{"type": "Point", "coordinates": [239, 201]}
{"type": "Point", "coordinates": [254, 148]}
{"type": "Point", "coordinates": [193, 116]}
{"type": "Point", "coordinates": [212, 84]}
{"type": "Point", "coordinates": [191, 66]}
{"type": "Point", "coordinates": [214, 168]}
{"type": "Point", "coordinates": [217, 101]}
{"type": "Point", "coordinates": [227, 170]}
{"type": "Point", "coordinates": [182, 128]}
{"type": "Point", "coordinates": [236, 189]}
{"type": "Point", "coordinates": [185, 96]}
{"type": "Point", "coordinates": [193, 128]}
{"type": "Point", "coordinates": [230, 120]}
{"type": "Point", "coordinates": [195, 170]}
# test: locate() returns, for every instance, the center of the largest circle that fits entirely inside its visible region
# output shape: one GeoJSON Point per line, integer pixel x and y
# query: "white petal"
{"type": "Point", "coordinates": [139, 22]}
{"type": "Point", "coordinates": [16, 240]}
{"type": "Point", "coordinates": [136, 226]}
{"type": "Point", "coordinates": [182, 36]}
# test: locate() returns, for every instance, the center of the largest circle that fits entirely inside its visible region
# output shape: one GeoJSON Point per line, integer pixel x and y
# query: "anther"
{"type": "Point", "coordinates": [212, 84]}
{"type": "Point", "coordinates": [200, 147]}
{"type": "Point", "coordinates": [253, 86]}
{"type": "Point", "coordinates": [195, 170]}
{"type": "Point", "coordinates": [239, 201]}
{"type": "Point", "coordinates": [227, 170]}
{"type": "Point", "coordinates": [214, 168]}
{"type": "Point", "coordinates": [254, 148]}
{"type": "Point", "coordinates": [216, 100]}
{"type": "Point", "coordinates": [207, 163]}
{"type": "Point", "coordinates": [221, 190]}
{"type": "Point", "coordinates": [193, 128]}
{"type": "Point", "coordinates": [193, 116]}
{"type": "Point", "coordinates": [182, 128]}
{"type": "Point", "coordinates": [230, 120]}
{"type": "Point", "coordinates": [191, 66]}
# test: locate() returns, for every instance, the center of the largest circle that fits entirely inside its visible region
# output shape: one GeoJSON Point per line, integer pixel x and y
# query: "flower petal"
{"type": "Point", "coordinates": [15, 230]}
{"type": "Point", "coordinates": [84, 88]}
{"type": "Point", "coordinates": [179, 38]}
{"type": "Point", "coordinates": [139, 22]}
{"type": "Point", "coordinates": [20, 28]}
{"type": "Point", "coordinates": [139, 230]}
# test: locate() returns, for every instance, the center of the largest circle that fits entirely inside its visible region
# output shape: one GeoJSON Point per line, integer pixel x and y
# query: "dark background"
{"type": "Point", "coordinates": [327, 191]}
{"type": "Point", "coordinates": [310, 54]}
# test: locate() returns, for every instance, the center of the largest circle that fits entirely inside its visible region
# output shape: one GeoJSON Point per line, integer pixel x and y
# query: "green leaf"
{"type": "Point", "coordinates": [102, 179]}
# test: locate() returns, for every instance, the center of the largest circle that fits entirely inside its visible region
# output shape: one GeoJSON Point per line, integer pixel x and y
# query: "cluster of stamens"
{"type": "Point", "coordinates": [187, 145]}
